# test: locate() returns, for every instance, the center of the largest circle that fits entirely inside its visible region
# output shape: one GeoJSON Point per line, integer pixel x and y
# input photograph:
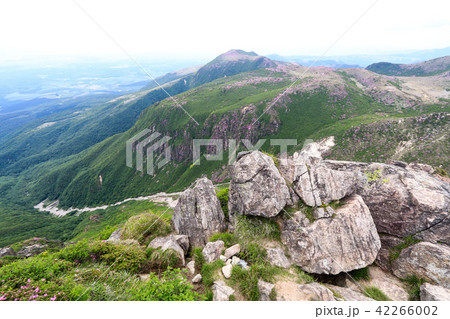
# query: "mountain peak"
{"type": "Point", "coordinates": [234, 55]}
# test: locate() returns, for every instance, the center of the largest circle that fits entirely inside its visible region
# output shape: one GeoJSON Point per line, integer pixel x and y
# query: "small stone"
{"type": "Point", "coordinates": [223, 258]}
{"type": "Point", "coordinates": [228, 262]}
{"type": "Point", "coordinates": [323, 212]}
{"type": "Point", "coordinates": [226, 271]}
{"type": "Point", "coordinates": [235, 260]}
{"type": "Point", "coordinates": [233, 250]}
{"type": "Point", "coordinates": [197, 279]}
{"type": "Point", "coordinates": [191, 267]}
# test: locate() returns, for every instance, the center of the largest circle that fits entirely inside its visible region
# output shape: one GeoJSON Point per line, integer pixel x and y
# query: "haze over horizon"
{"type": "Point", "coordinates": [55, 30]}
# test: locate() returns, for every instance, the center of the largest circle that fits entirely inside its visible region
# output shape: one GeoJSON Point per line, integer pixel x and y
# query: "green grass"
{"type": "Point", "coordinates": [222, 195]}
{"type": "Point", "coordinates": [413, 283]}
{"type": "Point", "coordinates": [395, 252]}
{"type": "Point", "coordinates": [229, 239]}
{"type": "Point", "coordinates": [376, 294]}
{"type": "Point", "coordinates": [144, 228]}
{"type": "Point", "coordinates": [360, 274]}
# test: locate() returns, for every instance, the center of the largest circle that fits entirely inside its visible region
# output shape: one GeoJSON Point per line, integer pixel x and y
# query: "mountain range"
{"type": "Point", "coordinates": [76, 155]}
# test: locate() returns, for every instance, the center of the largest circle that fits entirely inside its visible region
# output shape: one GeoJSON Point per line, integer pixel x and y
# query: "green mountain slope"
{"type": "Point", "coordinates": [427, 68]}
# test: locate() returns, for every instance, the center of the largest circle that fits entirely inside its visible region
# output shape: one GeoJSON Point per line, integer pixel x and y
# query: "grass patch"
{"type": "Point", "coordinates": [223, 198]}
{"type": "Point", "coordinates": [144, 228]}
{"type": "Point", "coordinates": [414, 283]}
{"type": "Point", "coordinates": [198, 257]}
{"type": "Point", "coordinates": [440, 171]}
{"type": "Point", "coordinates": [160, 260]}
{"type": "Point", "coordinates": [395, 251]}
{"type": "Point", "coordinates": [228, 238]}
{"type": "Point", "coordinates": [375, 294]}
{"type": "Point", "coordinates": [360, 274]}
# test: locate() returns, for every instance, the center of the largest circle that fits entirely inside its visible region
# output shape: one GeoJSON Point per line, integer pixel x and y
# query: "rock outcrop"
{"type": "Point", "coordinates": [115, 236]}
{"type": "Point", "coordinates": [425, 260]}
{"type": "Point", "coordinates": [7, 251]}
{"type": "Point", "coordinates": [345, 242]}
{"type": "Point", "coordinates": [198, 213]}
{"type": "Point", "coordinates": [403, 201]}
{"type": "Point", "coordinates": [430, 292]}
{"type": "Point", "coordinates": [257, 187]}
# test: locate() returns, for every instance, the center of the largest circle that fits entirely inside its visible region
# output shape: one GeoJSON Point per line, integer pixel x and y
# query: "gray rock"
{"type": "Point", "coordinates": [235, 260]}
{"type": "Point", "coordinates": [388, 242]}
{"type": "Point", "coordinates": [197, 279]}
{"type": "Point", "coordinates": [191, 267]}
{"type": "Point", "coordinates": [198, 213]}
{"type": "Point", "coordinates": [7, 251]}
{"type": "Point", "coordinates": [314, 182]}
{"type": "Point", "coordinates": [403, 201]}
{"type": "Point", "coordinates": [430, 292]}
{"type": "Point", "coordinates": [265, 289]}
{"type": "Point", "coordinates": [32, 250]}
{"type": "Point", "coordinates": [233, 250]}
{"type": "Point", "coordinates": [276, 257]}
{"type": "Point", "coordinates": [291, 291]}
{"type": "Point", "coordinates": [182, 241]}
{"type": "Point", "coordinates": [168, 242]}
{"type": "Point", "coordinates": [348, 294]}
{"type": "Point", "coordinates": [213, 250]}
{"type": "Point", "coordinates": [331, 245]}
{"type": "Point", "coordinates": [221, 292]}
{"type": "Point", "coordinates": [226, 271]}
{"type": "Point", "coordinates": [425, 260]}
{"type": "Point", "coordinates": [257, 187]}
{"type": "Point", "coordinates": [223, 258]}
{"type": "Point", "coordinates": [115, 236]}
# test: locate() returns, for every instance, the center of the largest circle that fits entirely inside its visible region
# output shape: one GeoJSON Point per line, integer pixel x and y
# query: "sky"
{"type": "Point", "coordinates": [190, 29]}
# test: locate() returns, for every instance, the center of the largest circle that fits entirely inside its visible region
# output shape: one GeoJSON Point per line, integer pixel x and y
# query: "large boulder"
{"type": "Point", "coordinates": [425, 260]}
{"type": "Point", "coordinates": [257, 187]}
{"type": "Point", "coordinates": [345, 242]}
{"type": "Point", "coordinates": [403, 200]}
{"type": "Point", "coordinates": [430, 292]}
{"type": "Point", "coordinates": [198, 213]}
{"type": "Point", "coordinates": [314, 182]}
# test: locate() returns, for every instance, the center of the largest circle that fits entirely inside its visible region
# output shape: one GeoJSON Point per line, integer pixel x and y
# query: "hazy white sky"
{"type": "Point", "coordinates": [208, 28]}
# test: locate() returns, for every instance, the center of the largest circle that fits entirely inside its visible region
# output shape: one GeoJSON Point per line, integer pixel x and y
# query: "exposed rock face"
{"type": "Point", "coordinates": [169, 242]}
{"type": "Point", "coordinates": [276, 257]}
{"type": "Point", "coordinates": [198, 213]}
{"type": "Point", "coordinates": [212, 250]}
{"type": "Point", "coordinates": [430, 292]}
{"type": "Point", "coordinates": [425, 260]}
{"type": "Point", "coordinates": [7, 251]}
{"type": "Point", "coordinates": [387, 283]}
{"type": "Point", "coordinates": [349, 294]}
{"type": "Point", "coordinates": [115, 236]}
{"type": "Point", "coordinates": [403, 201]}
{"type": "Point", "coordinates": [181, 240]}
{"type": "Point", "coordinates": [257, 187]}
{"type": "Point", "coordinates": [221, 291]}
{"type": "Point", "coordinates": [291, 291]}
{"type": "Point", "coordinates": [265, 289]}
{"type": "Point", "coordinates": [314, 182]}
{"type": "Point", "coordinates": [331, 245]}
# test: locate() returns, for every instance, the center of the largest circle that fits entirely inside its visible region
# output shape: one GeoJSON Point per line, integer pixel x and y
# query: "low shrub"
{"type": "Point", "coordinates": [159, 260]}
{"type": "Point", "coordinates": [223, 199]}
{"type": "Point", "coordinates": [253, 253]}
{"type": "Point", "coordinates": [144, 228]}
{"type": "Point", "coordinates": [229, 239]}
{"type": "Point", "coordinates": [170, 286]}
{"type": "Point", "coordinates": [121, 257]}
